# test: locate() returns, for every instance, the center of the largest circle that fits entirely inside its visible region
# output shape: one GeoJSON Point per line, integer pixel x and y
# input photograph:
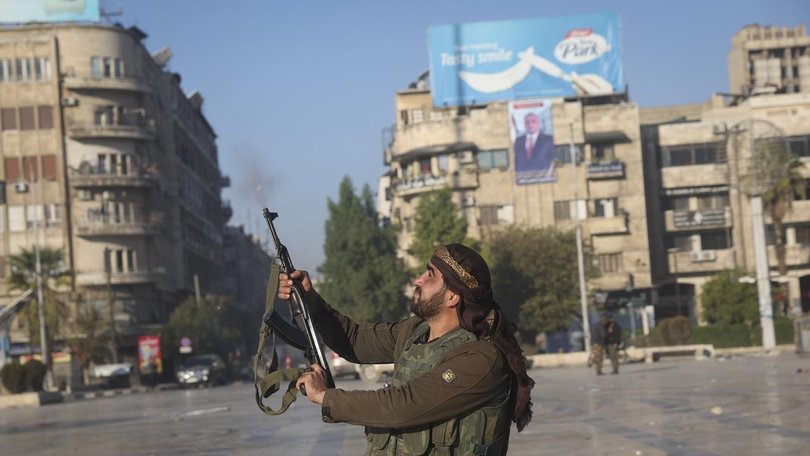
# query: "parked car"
{"type": "Point", "coordinates": [203, 370]}
{"type": "Point", "coordinates": [340, 367]}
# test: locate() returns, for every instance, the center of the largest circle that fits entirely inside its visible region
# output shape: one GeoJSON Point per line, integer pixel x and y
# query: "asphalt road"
{"type": "Point", "coordinates": [752, 406]}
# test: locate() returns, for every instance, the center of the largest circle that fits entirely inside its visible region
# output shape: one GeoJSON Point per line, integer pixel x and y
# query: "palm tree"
{"type": "Point", "coordinates": [54, 276]}
{"type": "Point", "coordinates": [784, 184]}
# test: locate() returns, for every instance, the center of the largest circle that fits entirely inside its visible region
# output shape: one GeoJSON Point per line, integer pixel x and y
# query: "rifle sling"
{"type": "Point", "coordinates": [271, 381]}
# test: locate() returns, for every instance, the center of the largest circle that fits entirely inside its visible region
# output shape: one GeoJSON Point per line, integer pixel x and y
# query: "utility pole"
{"type": "Point", "coordinates": [43, 340]}
{"type": "Point", "coordinates": [583, 299]}
{"type": "Point", "coordinates": [111, 303]}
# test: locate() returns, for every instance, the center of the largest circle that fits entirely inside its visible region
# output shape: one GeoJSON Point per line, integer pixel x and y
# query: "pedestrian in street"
{"type": "Point", "coordinates": [460, 376]}
{"type": "Point", "coordinates": [613, 340]}
{"type": "Point", "coordinates": [597, 357]}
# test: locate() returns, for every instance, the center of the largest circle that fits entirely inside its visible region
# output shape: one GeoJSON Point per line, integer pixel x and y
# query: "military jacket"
{"type": "Point", "coordinates": [479, 375]}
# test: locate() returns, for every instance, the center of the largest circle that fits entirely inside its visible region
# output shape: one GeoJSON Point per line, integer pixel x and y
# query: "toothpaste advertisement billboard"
{"type": "Point", "coordinates": [529, 58]}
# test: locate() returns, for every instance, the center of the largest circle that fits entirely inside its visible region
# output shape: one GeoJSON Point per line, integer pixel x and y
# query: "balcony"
{"type": "Point", "coordinates": [93, 179]}
{"type": "Point", "coordinates": [799, 213]}
{"type": "Point", "coordinates": [694, 176]}
{"type": "Point", "coordinates": [795, 255]}
{"type": "Point", "coordinates": [405, 187]}
{"type": "Point", "coordinates": [610, 170]}
{"type": "Point", "coordinates": [607, 225]}
{"type": "Point", "coordinates": [144, 131]}
{"type": "Point", "coordinates": [137, 277]}
{"type": "Point", "coordinates": [116, 84]}
{"type": "Point", "coordinates": [704, 218]}
{"type": "Point", "coordinates": [703, 261]}
{"type": "Point", "coordinates": [612, 281]}
{"type": "Point", "coordinates": [89, 228]}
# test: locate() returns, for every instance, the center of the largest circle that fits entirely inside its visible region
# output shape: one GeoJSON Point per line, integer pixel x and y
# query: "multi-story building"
{"type": "Point", "coordinates": [247, 268]}
{"type": "Point", "coordinates": [468, 150]}
{"type": "Point", "coordinates": [700, 169]}
{"type": "Point", "coordinates": [660, 192]}
{"type": "Point", "coordinates": [769, 60]}
{"type": "Point", "coordinates": [105, 158]}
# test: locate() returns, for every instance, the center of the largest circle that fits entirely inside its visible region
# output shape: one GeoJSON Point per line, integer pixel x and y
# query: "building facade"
{"type": "Point", "coordinates": [767, 59]}
{"type": "Point", "coordinates": [105, 158]}
{"type": "Point", "coordinates": [661, 193]}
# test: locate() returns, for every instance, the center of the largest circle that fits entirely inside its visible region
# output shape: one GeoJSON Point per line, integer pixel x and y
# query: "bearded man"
{"type": "Point", "coordinates": [460, 376]}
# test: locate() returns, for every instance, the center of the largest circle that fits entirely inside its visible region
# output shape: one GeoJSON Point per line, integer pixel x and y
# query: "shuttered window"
{"type": "Point", "coordinates": [27, 118]}
{"type": "Point", "coordinates": [49, 167]}
{"type": "Point", "coordinates": [45, 114]}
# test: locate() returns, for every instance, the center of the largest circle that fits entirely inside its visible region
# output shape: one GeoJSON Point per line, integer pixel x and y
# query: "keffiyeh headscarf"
{"type": "Point", "coordinates": [467, 274]}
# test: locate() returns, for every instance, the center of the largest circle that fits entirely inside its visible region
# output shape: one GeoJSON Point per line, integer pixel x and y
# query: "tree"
{"type": "Point", "coordinates": [437, 221]}
{"type": "Point", "coordinates": [785, 182]}
{"type": "Point", "coordinates": [726, 300]}
{"type": "Point", "coordinates": [91, 337]}
{"type": "Point", "coordinates": [535, 279]}
{"type": "Point", "coordinates": [362, 275]}
{"type": "Point", "coordinates": [215, 325]}
{"type": "Point", "coordinates": [54, 276]}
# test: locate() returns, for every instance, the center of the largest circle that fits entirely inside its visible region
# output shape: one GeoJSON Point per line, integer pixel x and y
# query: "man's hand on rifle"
{"type": "Point", "coordinates": [315, 383]}
{"type": "Point", "coordinates": [285, 283]}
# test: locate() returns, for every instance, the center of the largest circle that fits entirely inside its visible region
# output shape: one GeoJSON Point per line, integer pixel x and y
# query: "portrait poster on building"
{"type": "Point", "coordinates": [149, 359]}
{"type": "Point", "coordinates": [532, 141]}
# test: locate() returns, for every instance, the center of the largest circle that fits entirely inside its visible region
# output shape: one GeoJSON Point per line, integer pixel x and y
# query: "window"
{"type": "Point", "coordinates": [27, 118]}
{"type": "Point", "coordinates": [95, 66]}
{"type": "Point", "coordinates": [16, 218]}
{"type": "Point", "coordinates": [683, 243]}
{"type": "Point", "coordinates": [562, 210]}
{"type": "Point", "coordinates": [103, 115]}
{"type": "Point", "coordinates": [713, 201]}
{"type": "Point", "coordinates": [42, 68]}
{"type": "Point", "coordinates": [799, 146]}
{"type": "Point", "coordinates": [118, 69]}
{"type": "Point", "coordinates": [106, 67]}
{"type": "Point", "coordinates": [30, 169]}
{"type": "Point", "coordinates": [33, 215]}
{"type": "Point", "coordinates": [23, 69]}
{"type": "Point", "coordinates": [8, 116]}
{"type": "Point", "coordinates": [444, 161]}
{"type": "Point", "coordinates": [610, 262]}
{"type": "Point", "coordinates": [680, 203]}
{"type": "Point", "coordinates": [562, 153]}
{"type": "Point", "coordinates": [692, 154]}
{"type": "Point", "coordinates": [802, 234]}
{"type": "Point", "coordinates": [424, 165]}
{"type": "Point", "coordinates": [603, 152]}
{"type": "Point", "coordinates": [45, 115]}
{"type": "Point", "coordinates": [119, 260]}
{"type": "Point", "coordinates": [6, 70]}
{"type": "Point", "coordinates": [606, 207]}
{"type": "Point", "coordinates": [53, 215]}
{"type": "Point", "coordinates": [12, 167]}
{"type": "Point", "coordinates": [49, 167]}
{"type": "Point", "coordinates": [416, 116]}
{"type": "Point", "coordinates": [495, 215]}
{"type": "Point", "coordinates": [714, 241]}
{"type": "Point", "coordinates": [492, 159]}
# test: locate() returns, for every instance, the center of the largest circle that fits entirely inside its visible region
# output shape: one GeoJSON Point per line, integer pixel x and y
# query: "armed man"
{"type": "Point", "coordinates": [460, 376]}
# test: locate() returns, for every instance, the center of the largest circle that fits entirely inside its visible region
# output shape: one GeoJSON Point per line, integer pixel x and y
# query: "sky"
{"type": "Point", "coordinates": [299, 91]}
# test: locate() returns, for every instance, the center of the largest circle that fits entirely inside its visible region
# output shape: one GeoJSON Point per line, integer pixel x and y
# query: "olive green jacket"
{"type": "Point", "coordinates": [480, 374]}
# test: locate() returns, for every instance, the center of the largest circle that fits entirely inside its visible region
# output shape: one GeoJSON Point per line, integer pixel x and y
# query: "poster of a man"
{"type": "Point", "coordinates": [533, 141]}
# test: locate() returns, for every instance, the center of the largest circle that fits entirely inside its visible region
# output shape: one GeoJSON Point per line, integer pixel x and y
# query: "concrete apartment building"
{"type": "Point", "coordinates": [659, 191]}
{"type": "Point", "coordinates": [469, 151]}
{"type": "Point", "coordinates": [105, 158]}
{"type": "Point", "coordinates": [769, 59]}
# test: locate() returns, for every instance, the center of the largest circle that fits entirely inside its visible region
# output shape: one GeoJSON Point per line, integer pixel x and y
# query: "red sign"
{"type": "Point", "coordinates": [149, 359]}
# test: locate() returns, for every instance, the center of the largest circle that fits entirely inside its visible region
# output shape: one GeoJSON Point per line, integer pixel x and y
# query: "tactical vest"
{"type": "Point", "coordinates": [484, 431]}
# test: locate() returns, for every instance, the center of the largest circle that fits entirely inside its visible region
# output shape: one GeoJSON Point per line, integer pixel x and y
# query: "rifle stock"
{"type": "Point", "coordinates": [303, 334]}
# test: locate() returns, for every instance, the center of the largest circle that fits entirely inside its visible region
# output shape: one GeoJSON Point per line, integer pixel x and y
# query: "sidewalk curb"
{"type": "Point", "coordinates": [40, 399]}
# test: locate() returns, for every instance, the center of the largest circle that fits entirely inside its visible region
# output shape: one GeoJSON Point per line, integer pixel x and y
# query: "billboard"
{"type": "Point", "coordinates": [20, 11]}
{"type": "Point", "coordinates": [532, 141]}
{"type": "Point", "coordinates": [149, 358]}
{"type": "Point", "coordinates": [529, 58]}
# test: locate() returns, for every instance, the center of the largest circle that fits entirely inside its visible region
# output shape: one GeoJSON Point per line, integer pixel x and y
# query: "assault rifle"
{"type": "Point", "coordinates": [301, 334]}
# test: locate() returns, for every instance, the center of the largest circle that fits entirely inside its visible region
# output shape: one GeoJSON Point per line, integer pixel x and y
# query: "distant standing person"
{"type": "Point", "coordinates": [597, 347]}
{"type": "Point", "coordinates": [613, 339]}
{"type": "Point", "coordinates": [534, 150]}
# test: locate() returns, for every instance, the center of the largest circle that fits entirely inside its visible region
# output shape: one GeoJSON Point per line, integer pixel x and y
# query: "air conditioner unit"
{"type": "Point", "coordinates": [70, 102]}
{"type": "Point", "coordinates": [21, 187]}
{"type": "Point", "coordinates": [704, 256]}
{"type": "Point", "coordinates": [84, 195]}
{"type": "Point", "coordinates": [466, 157]}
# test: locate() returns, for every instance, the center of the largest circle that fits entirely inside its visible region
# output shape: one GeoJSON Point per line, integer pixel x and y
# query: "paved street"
{"type": "Point", "coordinates": [754, 405]}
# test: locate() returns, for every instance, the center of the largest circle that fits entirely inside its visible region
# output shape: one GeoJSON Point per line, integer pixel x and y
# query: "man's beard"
{"type": "Point", "coordinates": [430, 307]}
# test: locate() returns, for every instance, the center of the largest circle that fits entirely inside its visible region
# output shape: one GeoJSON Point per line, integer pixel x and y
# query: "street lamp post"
{"type": "Point", "coordinates": [674, 251]}
{"type": "Point", "coordinates": [583, 299]}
